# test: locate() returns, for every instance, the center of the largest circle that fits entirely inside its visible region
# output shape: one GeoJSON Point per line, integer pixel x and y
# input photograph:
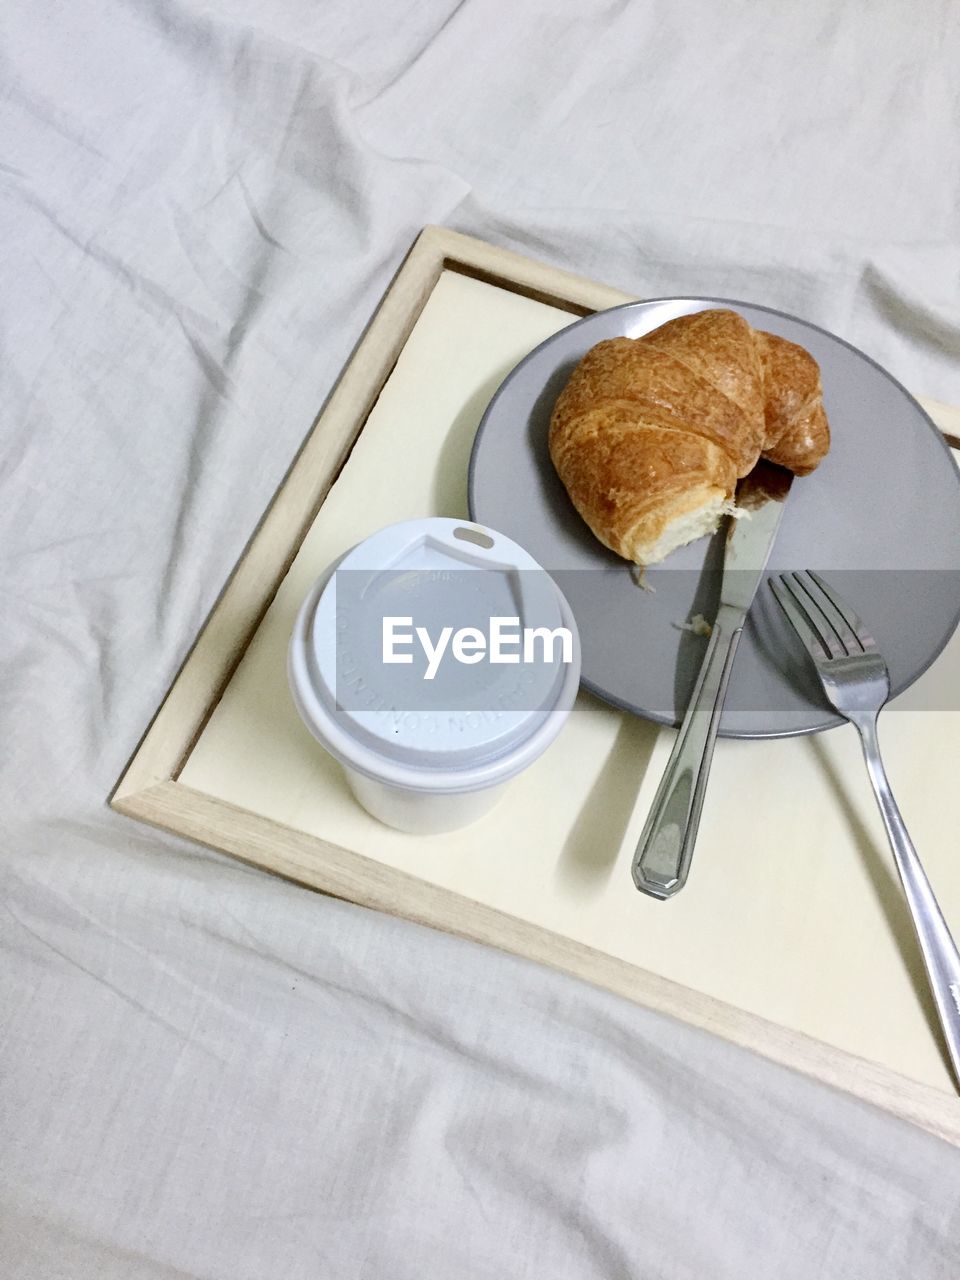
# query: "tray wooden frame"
{"type": "Point", "coordinates": [150, 789]}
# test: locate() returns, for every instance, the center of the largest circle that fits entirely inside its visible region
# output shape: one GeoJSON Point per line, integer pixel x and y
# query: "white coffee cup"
{"type": "Point", "coordinates": [413, 760]}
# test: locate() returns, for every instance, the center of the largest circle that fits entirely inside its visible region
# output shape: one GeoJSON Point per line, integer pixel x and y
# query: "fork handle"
{"type": "Point", "coordinates": [662, 858]}
{"type": "Point", "coordinates": [940, 955]}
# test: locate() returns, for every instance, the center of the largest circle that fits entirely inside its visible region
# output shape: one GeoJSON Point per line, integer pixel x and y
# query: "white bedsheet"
{"type": "Point", "coordinates": [205, 1072]}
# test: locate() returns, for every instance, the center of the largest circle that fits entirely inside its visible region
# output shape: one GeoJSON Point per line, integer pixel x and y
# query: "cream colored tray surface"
{"type": "Point", "coordinates": [791, 937]}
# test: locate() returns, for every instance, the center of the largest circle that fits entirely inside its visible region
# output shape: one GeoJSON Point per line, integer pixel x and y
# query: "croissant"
{"type": "Point", "coordinates": [651, 434]}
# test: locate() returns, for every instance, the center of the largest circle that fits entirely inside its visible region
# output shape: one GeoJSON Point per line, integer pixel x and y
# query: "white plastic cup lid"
{"type": "Point", "coordinates": [429, 593]}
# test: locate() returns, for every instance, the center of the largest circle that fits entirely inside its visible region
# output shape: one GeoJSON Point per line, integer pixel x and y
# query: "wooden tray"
{"type": "Point", "coordinates": [792, 938]}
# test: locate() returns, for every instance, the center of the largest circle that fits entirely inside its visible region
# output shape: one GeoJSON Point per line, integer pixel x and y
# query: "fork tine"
{"type": "Point", "coordinates": [831, 642]}
{"type": "Point", "coordinates": [798, 619]}
{"type": "Point", "coordinates": [848, 615]}
{"type": "Point", "coordinates": [828, 606]}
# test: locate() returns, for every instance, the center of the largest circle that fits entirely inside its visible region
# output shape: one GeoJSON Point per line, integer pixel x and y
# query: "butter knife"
{"type": "Point", "coordinates": [661, 863]}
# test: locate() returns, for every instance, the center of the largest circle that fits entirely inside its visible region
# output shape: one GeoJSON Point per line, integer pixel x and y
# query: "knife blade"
{"type": "Point", "coordinates": [664, 851]}
{"type": "Point", "coordinates": [750, 538]}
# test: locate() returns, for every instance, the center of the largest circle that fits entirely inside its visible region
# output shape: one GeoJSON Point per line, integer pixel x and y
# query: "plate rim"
{"type": "Point", "coordinates": [830, 720]}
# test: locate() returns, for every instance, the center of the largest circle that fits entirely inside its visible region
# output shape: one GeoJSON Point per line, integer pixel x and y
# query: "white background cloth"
{"type": "Point", "coordinates": [205, 1072]}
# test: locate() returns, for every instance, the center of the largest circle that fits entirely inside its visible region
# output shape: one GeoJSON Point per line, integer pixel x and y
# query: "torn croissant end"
{"type": "Point", "coordinates": [700, 521]}
{"type": "Point", "coordinates": [650, 435]}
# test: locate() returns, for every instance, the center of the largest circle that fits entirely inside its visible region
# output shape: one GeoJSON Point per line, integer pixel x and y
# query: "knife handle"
{"type": "Point", "coordinates": [662, 859]}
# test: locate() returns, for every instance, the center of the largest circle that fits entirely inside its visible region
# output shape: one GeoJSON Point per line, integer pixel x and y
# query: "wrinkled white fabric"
{"type": "Point", "coordinates": [205, 1072]}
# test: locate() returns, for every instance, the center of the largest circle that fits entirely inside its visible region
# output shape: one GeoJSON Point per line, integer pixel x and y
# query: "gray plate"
{"type": "Point", "coordinates": [880, 519]}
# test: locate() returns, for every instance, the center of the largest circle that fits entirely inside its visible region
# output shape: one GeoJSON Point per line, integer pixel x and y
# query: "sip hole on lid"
{"type": "Point", "coordinates": [476, 536]}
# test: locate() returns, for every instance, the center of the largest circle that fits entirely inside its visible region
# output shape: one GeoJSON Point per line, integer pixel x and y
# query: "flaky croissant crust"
{"type": "Point", "coordinates": [651, 431]}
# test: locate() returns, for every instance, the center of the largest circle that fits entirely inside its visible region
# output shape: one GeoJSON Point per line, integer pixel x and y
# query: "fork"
{"type": "Point", "coordinates": [856, 681]}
